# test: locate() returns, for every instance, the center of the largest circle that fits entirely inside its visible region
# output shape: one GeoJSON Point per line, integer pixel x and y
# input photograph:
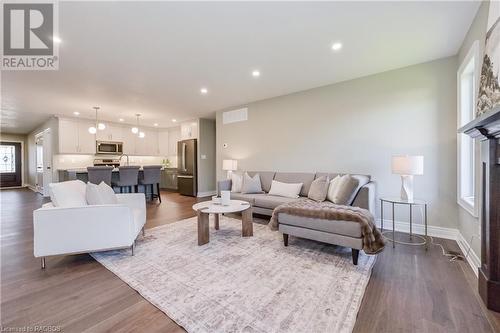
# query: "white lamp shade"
{"type": "Point", "coordinates": [408, 165]}
{"type": "Point", "coordinates": [229, 165]}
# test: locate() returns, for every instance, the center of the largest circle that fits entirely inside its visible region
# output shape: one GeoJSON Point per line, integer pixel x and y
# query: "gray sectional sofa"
{"type": "Point", "coordinates": [343, 233]}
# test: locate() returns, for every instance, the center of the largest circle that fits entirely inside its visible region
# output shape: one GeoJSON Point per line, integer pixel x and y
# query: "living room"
{"type": "Point", "coordinates": [240, 166]}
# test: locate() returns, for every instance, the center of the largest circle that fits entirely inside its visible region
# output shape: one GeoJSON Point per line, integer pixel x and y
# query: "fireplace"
{"type": "Point", "coordinates": [486, 128]}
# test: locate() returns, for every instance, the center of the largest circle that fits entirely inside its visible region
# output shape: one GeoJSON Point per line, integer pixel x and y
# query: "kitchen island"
{"type": "Point", "coordinates": [168, 176]}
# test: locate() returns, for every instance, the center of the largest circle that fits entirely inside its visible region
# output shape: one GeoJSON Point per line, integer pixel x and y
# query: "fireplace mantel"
{"type": "Point", "coordinates": [486, 128]}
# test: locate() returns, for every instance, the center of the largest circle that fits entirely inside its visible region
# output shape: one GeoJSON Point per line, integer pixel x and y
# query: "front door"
{"type": "Point", "coordinates": [10, 164]}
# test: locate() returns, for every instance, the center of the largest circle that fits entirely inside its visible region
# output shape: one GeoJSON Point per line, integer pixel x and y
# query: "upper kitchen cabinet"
{"type": "Point", "coordinates": [74, 137]}
{"type": "Point", "coordinates": [163, 143]}
{"type": "Point", "coordinates": [111, 133]}
{"type": "Point", "coordinates": [174, 136]}
{"type": "Point", "coordinates": [147, 146]}
{"type": "Point", "coordinates": [189, 130]}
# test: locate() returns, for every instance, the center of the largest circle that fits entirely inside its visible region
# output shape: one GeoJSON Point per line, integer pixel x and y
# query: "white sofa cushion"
{"type": "Point", "coordinates": [68, 194]}
{"type": "Point", "coordinates": [287, 190]}
{"type": "Point", "coordinates": [101, 194]}
{"type": "Point", "coordinates": [236, 182]}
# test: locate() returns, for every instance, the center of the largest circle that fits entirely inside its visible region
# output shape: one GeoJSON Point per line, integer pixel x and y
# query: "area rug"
{"type": "Point", "coordinates": [252, 284]}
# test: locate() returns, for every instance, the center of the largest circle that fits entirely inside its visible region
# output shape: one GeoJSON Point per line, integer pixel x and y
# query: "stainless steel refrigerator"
{"type": "Point", "coordinates": [186, 167]}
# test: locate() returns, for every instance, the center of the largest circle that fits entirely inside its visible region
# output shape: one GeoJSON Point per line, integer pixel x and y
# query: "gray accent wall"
{"type": "Point", "coordinates": [356, 126]}
{"type": "Point", "coordinates": [206, 166]}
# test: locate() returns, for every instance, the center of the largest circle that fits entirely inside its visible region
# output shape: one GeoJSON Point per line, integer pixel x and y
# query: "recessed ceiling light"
{"type": "Point", "coordinates": [256, 73]}
{"type": "Point", "coordinates": [204, 91]}
{"type": "Point", "coordinates": [174, 120]}
{"type": "Point", "coordinates": [121, 119]}
{"type": "Point", "coordinates": [56, 39]}
{"type": "Point", "coordinates": [336, 46]}
{"type": "Point", "coordinates": [155, 124]}
{"type": "Point", "coordinates": [76, 113]}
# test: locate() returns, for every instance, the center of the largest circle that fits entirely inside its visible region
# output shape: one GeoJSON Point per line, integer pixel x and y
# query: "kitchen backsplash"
{"type": "Point", "coordinates": [65, 161]}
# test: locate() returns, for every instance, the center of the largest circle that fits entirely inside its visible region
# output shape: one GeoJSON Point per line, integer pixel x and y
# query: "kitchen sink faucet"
{"type": "Point", "coordinates": [121, 158]}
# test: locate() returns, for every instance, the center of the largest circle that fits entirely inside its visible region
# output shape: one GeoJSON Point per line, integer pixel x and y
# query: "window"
{"type": "Point", "coordinates": [467, 78]}
{"type": "Point", "coordinates": [7, 159]}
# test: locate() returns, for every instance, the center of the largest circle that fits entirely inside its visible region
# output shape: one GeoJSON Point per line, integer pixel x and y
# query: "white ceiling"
{"type": "Point", "coordinates": [154, 57]}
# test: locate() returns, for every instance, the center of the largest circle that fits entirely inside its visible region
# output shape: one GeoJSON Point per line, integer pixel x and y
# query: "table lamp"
{"type": "Point", "coordinates": [407, 167]}
{"type": "Point", "coordinates": [229, 166]}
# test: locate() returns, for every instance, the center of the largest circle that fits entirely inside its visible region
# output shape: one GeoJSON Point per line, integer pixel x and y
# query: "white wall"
{"type": "Point", "coordinates": [468, 225]}
{"type": "Point", "coordinates": [356, 126]}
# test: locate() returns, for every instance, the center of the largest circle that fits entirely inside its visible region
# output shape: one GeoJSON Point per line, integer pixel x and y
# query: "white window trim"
{"type": "Point", "coordinates": [473, 209]}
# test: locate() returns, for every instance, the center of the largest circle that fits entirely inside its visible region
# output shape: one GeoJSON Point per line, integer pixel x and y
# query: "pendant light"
{"type": "Point", "coordinates": [100, 126]}
{"type": "Point", "coordinates": [135, 129]}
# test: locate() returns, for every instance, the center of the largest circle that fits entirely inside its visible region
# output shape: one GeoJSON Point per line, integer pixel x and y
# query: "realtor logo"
{"type": "Point", "coordinates": [28, 36]}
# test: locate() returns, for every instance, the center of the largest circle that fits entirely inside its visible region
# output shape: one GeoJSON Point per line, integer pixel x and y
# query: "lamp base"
{"type": "Point", "coordinates": [407, 188]}
{"type": "Point", "coordinates": [229, 172]}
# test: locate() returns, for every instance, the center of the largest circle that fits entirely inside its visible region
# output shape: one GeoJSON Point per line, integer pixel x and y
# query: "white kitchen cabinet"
{"type": "Point", "coordinates": [129, 142]}
{"type": "Point", "coordinates": [86, 141]}
{"type": "Point", "coordinates": [148, 146]}
{"type": "Point", "coordinates": [189, 130]}
{"type": "Point", "coordinates": [163, 143]}
{"type": "Point", "coordinates": [68, 136]}
{"type": "Point", "coordinates": [111, 133]}
{"type": "Point", "coordinates": [74, 137]}
{"type": "Point", "coordinates": [174, 136]}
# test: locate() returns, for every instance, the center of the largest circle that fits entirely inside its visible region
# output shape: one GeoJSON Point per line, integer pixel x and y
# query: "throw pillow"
{"type": "Point", "coordinates": [319, 189]}
{"type": "Point", "coordinates": [236, 182]}
{"type": "Point", "coordinates": [68, 194]}
{"type": "Point", "coordinates": [287, 190]}
{"type": "Point", "coordinates": [101, 194]}
{"type": "Point", "coordinates": [346, 187]}
{"type": "Point", "coordinates": [251, 184]}
{"type": "Point", "coordinates": [333, 188]}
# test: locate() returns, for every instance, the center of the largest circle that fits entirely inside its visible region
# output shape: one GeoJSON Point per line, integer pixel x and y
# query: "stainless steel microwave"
{"type": "Point", "coordinates": [109, 147]}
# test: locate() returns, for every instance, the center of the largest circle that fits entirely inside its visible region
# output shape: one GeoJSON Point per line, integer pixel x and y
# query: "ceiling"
{"type": "Point", "coordinates": [153, 57]}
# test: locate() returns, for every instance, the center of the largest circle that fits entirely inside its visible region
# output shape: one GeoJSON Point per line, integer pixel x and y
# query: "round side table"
{"type": "Point", "coordinates": [399, 201]}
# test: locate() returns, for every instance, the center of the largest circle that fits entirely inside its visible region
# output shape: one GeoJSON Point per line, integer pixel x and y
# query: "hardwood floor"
{"type": "Point", "coordinates": [410, 290]}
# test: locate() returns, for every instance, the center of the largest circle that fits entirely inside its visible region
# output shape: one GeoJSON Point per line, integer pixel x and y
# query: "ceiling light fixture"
{"type": "Point", "coordinates": [121, 119]}
{"type": "Point", "coordinates": [174, 120]}
{"type": "Point", "coordinates": [56, 39]}
{"type": "Point", "coordinates": [135, 129]}
{"type": "Point", "coordinates": [76, 113]}
{"type": "Point", "coordinates": [204, 91]}
{"type": "Point", "coordinates": [336, 46]}
{"type": "Point", "coordinates": [256, 73]}
{"type": "Point", "coordinates": [98, 125]}
{"type": "Point", "coordinates": [155, 124]}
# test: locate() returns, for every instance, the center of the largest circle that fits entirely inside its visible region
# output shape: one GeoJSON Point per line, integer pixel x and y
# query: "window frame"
{"type": "Point", "coordinates": [473, 54]}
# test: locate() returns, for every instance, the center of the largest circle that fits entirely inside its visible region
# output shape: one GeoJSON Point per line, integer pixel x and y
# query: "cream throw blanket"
{"type": "Point", "coordinates": [373, 241]}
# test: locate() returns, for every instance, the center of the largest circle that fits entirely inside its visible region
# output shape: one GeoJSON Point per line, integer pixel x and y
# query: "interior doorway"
{"type": "Point", "coordinates": [43, 143]}
{"type": "Point", "coordinates": [10, 164]}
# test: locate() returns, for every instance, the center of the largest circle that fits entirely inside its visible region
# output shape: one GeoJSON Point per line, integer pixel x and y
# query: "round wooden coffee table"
{"type": "Point", "coordinates": [204, 209]}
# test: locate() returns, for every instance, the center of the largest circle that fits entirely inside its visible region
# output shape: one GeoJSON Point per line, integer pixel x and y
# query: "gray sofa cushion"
{"type": "Point", "coordinates": [266, 178]}
{"type": "Point", "coordinates": [271, 201]}
{"type": "Point", "coordinates": [296, 177]}
{"type": "Point", "coordinates": [362, 181]}
{"type": "Point", "coordinates": [250, 198]}
{"type": "Point", "coordinates": [251, 184]}
{"type": "Point", "coordinates": [346, 228]}
{"type": "Point", "coordinates": [319, 189]}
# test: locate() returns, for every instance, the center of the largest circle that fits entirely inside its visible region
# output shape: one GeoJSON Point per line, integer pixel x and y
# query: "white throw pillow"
{"type": "Point", "coordinates": [333, 189]}
{"type": "Point", "coordinates": [68, 194]}
{"type": "Point", "coordinates": [287, 190]}
{"type": "Point", "coordinates": [101, 194]}
{"type": "Point", "coordinates": [236, 182]}
{"type": "Point", "coordinates": [251, 184]}
{"type": "Point", "coordinates": [344, 190]}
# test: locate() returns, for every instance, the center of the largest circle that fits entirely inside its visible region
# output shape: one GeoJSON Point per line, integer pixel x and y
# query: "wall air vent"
{"type": "Point", "coordinates": [235, 116]}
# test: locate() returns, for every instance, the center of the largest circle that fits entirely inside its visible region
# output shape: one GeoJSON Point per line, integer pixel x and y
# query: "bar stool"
{"type": "Point", "coordinates": [128, 177]}
{"type": "Point", "coordinates": [151, 176]}
{"type": "Point", "coordinates": [98, 174]}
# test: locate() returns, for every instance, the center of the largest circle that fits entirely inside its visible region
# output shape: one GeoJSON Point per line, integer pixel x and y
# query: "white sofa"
{"type": "Point", "coordinates": [84, 229]}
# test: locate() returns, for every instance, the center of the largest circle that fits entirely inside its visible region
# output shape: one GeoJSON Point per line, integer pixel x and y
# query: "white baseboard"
{"type": "Point", "coordinates": [206, 194]}
{"type": "Point", "coordinates": [440, 232]}
{"type": "Point", "coordinates": [419, 229]}
{"type": "Point", "coordinates": [472, 258]}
